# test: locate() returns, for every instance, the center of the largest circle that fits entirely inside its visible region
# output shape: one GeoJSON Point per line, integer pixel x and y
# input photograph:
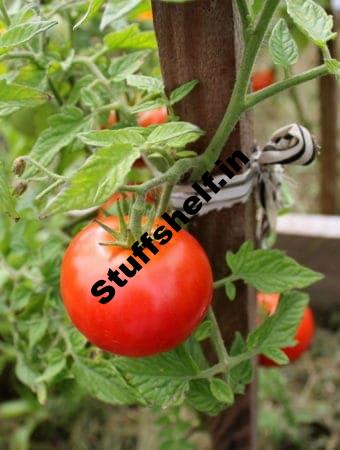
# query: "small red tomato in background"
{"type": "Point", "coordinates": [111, 121]}
{"type": "Point", "coordinates": [262, 78]}
{"type": "Point", "coordinates": [156, 310]}
{"type": "Point", "coordinates": [153, 117]}
{"type": "Point", "coordinates": [268, 304]}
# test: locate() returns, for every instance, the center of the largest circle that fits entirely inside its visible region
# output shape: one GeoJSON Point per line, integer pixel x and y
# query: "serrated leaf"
{"type": "Point", "coordinates": [130, 38]}
{"type": "Point", "coordinates": [94, 6]}
{"type": "Point", "coordinates": [241, 374]}
{"type": "Point", "coordinates": [163, 379]}
{"type": "Point", "coordinates": [175, 134]}
{"type": "Point", "coordinates": [312, 20]}
{"type": "Point", "coordinates": [102, 174]}
{"type": "Point", "coordinates": [230, 290]}
{"type": "Point", "coordinates": [201, 398]}
{"type": "Point", "coordinates": [282, 47]}
{"type": "Point", "coordinates": [182, 91]}
{"type": "Point", "coordinates": [37, 331]}
{"type": "Point", "coordinates": [148, 106]}
{"type": "Point", "coordinates": [104, 138]}
{"type": "Point", "coordinates": [222, 391]}
{"type": "Point", "coordinates": [126, 65]}
{"type": "Point", "coordinates": [63, 129]}
{"type": "Point", "coordinates": [24, 32]}
{"type": "Point", "coordinates": [204, 330]}
{"type": "Point", "coordinates": [102, 381]}
{"type": "Point", "coordinates": [279, 329]}
{"type": "Point", "coordinates": [56, 365]}
{"type": "Point", "coordinates": [270, 270]}
{"type": "Point", "coordinates": [276, 355]}
{"type": "Point", "coordinates": [145, 83]}
{"type": "Point", "coordinates": [116, 9]}
{"type": "Point", "coordinates": [7, 201]}
{"type": "Point", "coordinates": [14, 96]}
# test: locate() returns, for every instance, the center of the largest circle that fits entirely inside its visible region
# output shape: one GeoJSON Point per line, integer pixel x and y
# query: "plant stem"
{"type": "Point", "coordinates": [55, 91]}
{"type": "Point", "coordinates": [257, 97]}
{"type": "Point", "coordinates": [49, 189]}
{"type": "Point", "coordinates": [93, 68]}
{"type": "Point", "coordinates": [44, 169]}
{"type": "Point", "coordinates": [237, 101]}
{"type": "Point", "coordinates": [4, 13]}
{"type": "Point", "coordinates": [245, 17]}
{"type": "Point", "coordinates": [217, 340]}
{"type": "Point", "coordinates": [220, 283]}
{"type": "Point", "coordinates": [164, 200]}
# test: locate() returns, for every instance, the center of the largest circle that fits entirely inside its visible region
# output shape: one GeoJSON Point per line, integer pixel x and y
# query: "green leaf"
{"type": "Point", "coordinates": [148, 106]}
{"type": "Point", "coordinates": [130, 38]}
{"type": "Point", "coordinates": [182, 91]}
{"type": "Point", "coordinates": [175, 134]}
{"type": "Point", "coordinates": [7, 201]}
{"type": "Point", "coordinates": [101, 380]}
{"type": "Point", "coordinates": [270, 270]}
{"type": "Point", "coordinates": [116, 9]}
{"type": "Point", "coordinates": [241, 374]}
{"type": "Point", "coordinates": [102, 174]}
{"type": "Point", "coordinates": [145, 83]}
{"type": "Point", "coordinates": [37, 331]}
{"type": "Point", "coordinates": [282, 47]}
{"type": "Point", "coordinates": [63, 129]}
{"type": "Point", "coordinates": [104, 138]}
{"type": "Point", "coordinates": [201, 398]}
{"type": "Point", "coordinates": [278, 330]}
{"type": "Point", "coordinates": [24, 32]}
{"type": "Point", "coordinates": [94, 6]}
{"type": "Point", "coordinates": [162, 379]}
{"type": "Point", "coordinates": [204, 330]}
{"type": "Point", "coordinates": [276, 355]}
{"type": "Point", "coordinates": [230, 290]}
{"type": "Point", "coordinates": [25, 373]}
{"type": "Point", "coordinates": [126, 65]}
{"type": "Point", "coordinates": [14, 96]}
{"type": "Point", "coordinates": [312, 20]}
{"type": "Point", "coordinates": [222, 391]}
{"type": "Point", "coordinates": [256, 7]}
{"type": "Point", "coordinates": [56, 364]}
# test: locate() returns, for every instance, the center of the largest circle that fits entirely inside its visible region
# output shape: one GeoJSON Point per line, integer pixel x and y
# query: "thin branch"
{"type": "Point", "coordinates": [257, 97]}
{"type": "Point", "coordinates": [245, 17]}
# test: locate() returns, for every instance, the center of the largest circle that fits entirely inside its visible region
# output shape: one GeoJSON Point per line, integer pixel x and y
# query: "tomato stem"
{"type": "Point", "coordinates": [217, 339]}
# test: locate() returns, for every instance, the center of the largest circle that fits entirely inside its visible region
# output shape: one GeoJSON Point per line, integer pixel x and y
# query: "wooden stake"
{"type": "Point", "coordinates": [203, 40]}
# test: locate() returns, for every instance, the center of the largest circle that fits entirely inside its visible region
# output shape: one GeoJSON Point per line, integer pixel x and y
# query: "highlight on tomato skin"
{"type": "Point", "coordinates": [262, 79]}
{"type": "Point", "coordinates": [156, 310]}
{"type": "Point", "coordinates": [268, 303]}
{"type": "Point", "coordinates": [154, 117]}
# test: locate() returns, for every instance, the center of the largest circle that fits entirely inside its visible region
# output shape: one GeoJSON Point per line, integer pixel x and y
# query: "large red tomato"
{"type": "Point", "coordinates": [304, 334]}
{"type": "Point", "coordinates": [157, 309]}
{"type": "Point", "coordinates": [154, 117]}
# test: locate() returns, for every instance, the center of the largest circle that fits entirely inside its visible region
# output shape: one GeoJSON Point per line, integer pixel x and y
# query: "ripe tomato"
{"type": "Point", "coordinates": [304, 334]}
{"type": "Point", "coordinates": [155, 310]}
{"type": "Point", "coordinates": [262, 79]}
{"type": "Point", "coordinates": [154, 117]}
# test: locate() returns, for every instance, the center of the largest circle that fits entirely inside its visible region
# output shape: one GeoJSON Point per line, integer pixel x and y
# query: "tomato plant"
{"type": "Point", "coordinates": [268, 303]}
{"type": "Point", "coordinates": [55, 96]}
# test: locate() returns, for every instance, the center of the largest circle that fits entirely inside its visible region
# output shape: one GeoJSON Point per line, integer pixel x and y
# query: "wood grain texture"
{"type": "Point", "coordinates": [202, 40]}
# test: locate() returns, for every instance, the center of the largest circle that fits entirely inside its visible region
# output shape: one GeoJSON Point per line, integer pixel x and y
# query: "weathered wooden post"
{"type": "Point", "coordinates": [202, 40]}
